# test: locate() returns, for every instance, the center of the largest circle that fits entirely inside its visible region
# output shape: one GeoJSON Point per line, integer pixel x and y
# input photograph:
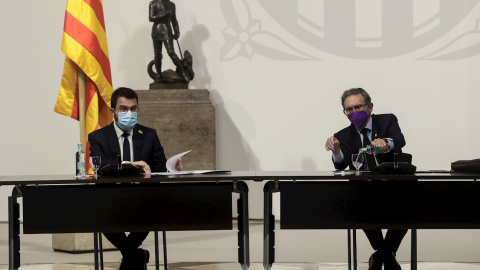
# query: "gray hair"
{"type": "Point", "coordinates": [356, 91]}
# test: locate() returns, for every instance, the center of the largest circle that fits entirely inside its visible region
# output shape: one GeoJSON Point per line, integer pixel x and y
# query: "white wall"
{"type": "Point", "coordinates": [276, 70]}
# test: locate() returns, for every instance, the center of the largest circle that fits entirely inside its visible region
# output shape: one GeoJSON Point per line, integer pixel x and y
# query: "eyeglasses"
{"type": "Point", "coordinates": [124, 109]}
{"type": "Point", "coordinates": [354, 108]}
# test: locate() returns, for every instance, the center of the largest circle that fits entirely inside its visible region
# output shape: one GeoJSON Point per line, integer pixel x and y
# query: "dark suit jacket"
{"type": "Point", "coordinates": [383, 126]}
{"type": "Point", "coordinates": [146, 146]}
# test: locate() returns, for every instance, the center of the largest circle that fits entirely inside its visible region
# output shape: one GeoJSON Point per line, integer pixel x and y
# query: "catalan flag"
{"type": "Point", "coordinates": [86, 85]}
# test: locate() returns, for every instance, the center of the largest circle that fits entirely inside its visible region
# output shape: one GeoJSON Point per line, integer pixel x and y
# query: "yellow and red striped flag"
{"type": "Point", "coordinates": [86, 86]}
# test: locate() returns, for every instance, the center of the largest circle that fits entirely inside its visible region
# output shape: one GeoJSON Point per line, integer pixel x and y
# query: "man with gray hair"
{"type": "Point", "coordinates": [381, 131]}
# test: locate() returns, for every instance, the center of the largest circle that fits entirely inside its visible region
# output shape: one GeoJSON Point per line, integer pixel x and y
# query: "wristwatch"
{"type": "Point", "coordinates": [388, 146]}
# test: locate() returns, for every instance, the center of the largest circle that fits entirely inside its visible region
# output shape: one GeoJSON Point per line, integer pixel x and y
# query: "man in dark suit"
{"type": "Point", "coordinates": [381, 131]}
{"type": "Point", "coordinates": [138, 145]}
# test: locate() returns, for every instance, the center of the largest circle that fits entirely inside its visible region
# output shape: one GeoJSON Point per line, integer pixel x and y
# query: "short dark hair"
{"type": "Point", "coordinates": [122, 92]}
{"type": "Point", "coordinates": [356, 91]}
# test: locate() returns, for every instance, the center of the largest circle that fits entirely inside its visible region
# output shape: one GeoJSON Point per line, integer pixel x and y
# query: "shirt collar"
{"type": "Point", "coordinates": [119, 131]}
{"type": "Point", "coordinates": [368, 126]}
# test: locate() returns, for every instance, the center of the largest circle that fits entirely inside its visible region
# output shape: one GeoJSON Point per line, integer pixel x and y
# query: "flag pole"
{"type": "Point", "coordinates": [82, 85]}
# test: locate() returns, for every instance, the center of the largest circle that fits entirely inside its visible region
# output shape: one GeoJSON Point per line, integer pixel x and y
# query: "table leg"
{"type": "Point", "coordinates": [165, 261]}
{"type": "Point", "coordinates": [100, 244]}
{"type": "Point", "coordinates": [269, 225]}
{"type": "Point", "coordinates": [95, 249]}
{"type": "Point", "coordinates": [13, 233]}
{"type": "Point", "coordinates": [157, 253]}
{"type": "Point", "coordinates": [243, 227]}
{"type": "Point", "coordinates": [414, 250]}
{"type": "Point", "coordinates": [349, 246]}
{"type": "Point", "coordinates": [354, 249]}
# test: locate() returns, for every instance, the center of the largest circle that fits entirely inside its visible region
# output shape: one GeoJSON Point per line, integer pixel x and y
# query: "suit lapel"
{"type": "Point", "coordinates": [376, 134]}
{"type": "Point", "coordinates": [138, 138]}
{"type": "Point", "coordinates": [357, 142]}
{"type": "Point", "coordinates": [374, 127]}
{"type": "Point", "coordinates": [112, 140]}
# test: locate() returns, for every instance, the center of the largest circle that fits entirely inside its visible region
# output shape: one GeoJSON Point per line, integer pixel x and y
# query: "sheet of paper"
{"type": "Point", "coordinates": [343, 172]}
{"type": "Point", "coordinates": [171, 162]}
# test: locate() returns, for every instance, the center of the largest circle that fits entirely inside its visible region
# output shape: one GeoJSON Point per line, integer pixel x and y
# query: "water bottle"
{"type": "Point", "coordinates": [372, 150]}
{"type": "Point", "coordinates": [80, 162]}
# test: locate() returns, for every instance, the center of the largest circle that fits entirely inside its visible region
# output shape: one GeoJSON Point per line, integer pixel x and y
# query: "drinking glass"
{"type": "Point", "coordinates": [95, 163]}
{"type": "Point", "coordinates": [357, 160]}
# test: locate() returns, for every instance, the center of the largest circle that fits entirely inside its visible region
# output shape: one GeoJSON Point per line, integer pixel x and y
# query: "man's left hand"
{"type": "Point", "coordinates": [179, 165]}
{"type": "Point", "coordinates": [380, 143]}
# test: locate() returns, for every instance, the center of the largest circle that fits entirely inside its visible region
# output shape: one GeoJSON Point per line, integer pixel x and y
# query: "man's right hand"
{"type": "Point", "coordinates": [142, 164]}
{"type": "Point", "coordinates": [333, 145]}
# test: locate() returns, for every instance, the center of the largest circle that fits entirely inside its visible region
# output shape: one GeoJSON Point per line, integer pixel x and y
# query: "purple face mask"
{"type": "Point", "coordinates": [358, 118]}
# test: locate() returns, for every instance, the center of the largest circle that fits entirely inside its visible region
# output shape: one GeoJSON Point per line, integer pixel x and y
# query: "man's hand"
{"type": "Point", "coordinates": [143, 165]}
{"type": "Point", "coordinates": [179, 165]}
{"type": "Point", "coordinates": [333, 145]}
{"type": "Point", "coordinates": [380, 143]}
{"type": "Point", "coordinates": [176, 35]}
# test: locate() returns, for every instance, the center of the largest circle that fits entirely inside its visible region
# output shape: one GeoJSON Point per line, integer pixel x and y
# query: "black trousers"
{"type": "Point", "coordinates": [126, 244]}
{"type": "Point", "coordinates": [391, 242]}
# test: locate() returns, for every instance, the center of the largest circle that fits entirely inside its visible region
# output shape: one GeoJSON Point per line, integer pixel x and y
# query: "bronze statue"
{"type": "Point", "coordinates": [164, 31]}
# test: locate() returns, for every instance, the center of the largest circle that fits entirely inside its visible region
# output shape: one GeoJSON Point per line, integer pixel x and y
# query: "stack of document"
{"type": "Point", "coordinates": [171, 162]}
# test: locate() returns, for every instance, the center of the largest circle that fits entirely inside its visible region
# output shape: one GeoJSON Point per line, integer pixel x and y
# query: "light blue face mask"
{"type": "Point", "coordinates": [127, 120]}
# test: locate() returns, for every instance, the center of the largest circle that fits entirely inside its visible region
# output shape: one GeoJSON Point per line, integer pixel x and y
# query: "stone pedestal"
{"type": "Point", "coordinates": [185, 120]}
{"type": "Point", "coordinates": [77, 242]}
{"type": "Point", "coordinates": [164, 86]}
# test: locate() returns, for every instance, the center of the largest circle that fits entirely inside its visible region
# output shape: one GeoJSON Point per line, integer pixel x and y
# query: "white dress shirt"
{"type": "Point", "coordinates": [120, 132]}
